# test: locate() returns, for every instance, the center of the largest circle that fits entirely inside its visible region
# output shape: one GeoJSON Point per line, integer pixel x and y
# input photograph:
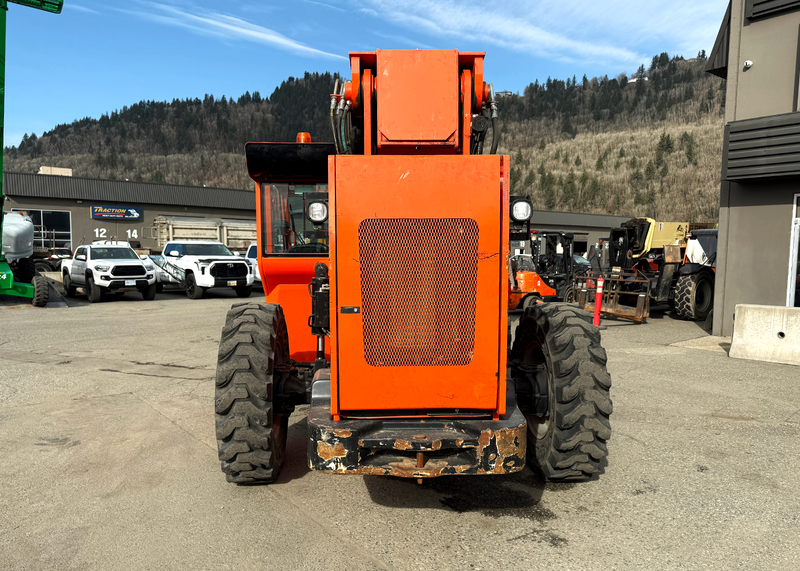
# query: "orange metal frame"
{"type": "Point", "coordinates": [421, 130]}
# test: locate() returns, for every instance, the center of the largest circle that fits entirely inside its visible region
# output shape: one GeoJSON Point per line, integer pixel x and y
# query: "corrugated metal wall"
{"type": "Point", "coordinates": [111, 191]}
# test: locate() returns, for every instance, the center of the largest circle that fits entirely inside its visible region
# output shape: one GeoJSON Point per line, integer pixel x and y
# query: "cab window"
{"type": "Point", "coordinates": [287, 228]}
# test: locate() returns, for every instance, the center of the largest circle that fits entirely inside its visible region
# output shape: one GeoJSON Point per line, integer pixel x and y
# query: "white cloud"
{"type": "Point", "coordinates": [72, 6]}
{"type": "Point", "coordinates": [609, 32]}
{"type": "Point", "coordinates": [403, 40]}
{"type": "Point", "coordinates": [218, 25]}
{"type": "Point", "coordinates": [325, 5]}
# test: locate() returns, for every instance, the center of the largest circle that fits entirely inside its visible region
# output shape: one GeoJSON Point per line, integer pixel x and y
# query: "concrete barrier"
{"type": "Point", "coordinates": [766, 333]}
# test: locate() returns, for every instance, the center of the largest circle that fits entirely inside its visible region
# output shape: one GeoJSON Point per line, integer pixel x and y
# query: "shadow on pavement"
{"type": "Point", "coordinates": [517, 495]}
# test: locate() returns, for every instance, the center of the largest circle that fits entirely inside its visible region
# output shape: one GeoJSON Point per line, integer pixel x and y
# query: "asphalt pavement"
{"type": "Point", "coordinates": [109, 462]}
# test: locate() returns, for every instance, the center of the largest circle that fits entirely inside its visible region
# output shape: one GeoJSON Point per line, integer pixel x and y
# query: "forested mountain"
{"type": "Point", "coordinates": [649, 144]}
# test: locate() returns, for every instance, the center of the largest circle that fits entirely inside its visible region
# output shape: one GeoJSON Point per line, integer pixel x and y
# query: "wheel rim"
{"type": "Point", "coordinates": [190, 287]}
{"type": "Point", "coordinates": [540, 427]}
{"type": "Point", "coordinates": [703, 295]}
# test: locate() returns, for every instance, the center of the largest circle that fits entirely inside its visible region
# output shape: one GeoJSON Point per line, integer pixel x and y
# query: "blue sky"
{"type": "Point", "coordinates": [99, 55]}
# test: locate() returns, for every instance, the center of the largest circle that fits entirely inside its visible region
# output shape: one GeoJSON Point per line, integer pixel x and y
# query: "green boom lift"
{"type": "Point", "coordinates": [38, 291]}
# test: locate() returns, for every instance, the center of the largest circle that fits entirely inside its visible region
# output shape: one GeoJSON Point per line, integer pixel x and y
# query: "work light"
{"type": "Point", "coordinates": [317, 212]}
{"type": "Point", "coordinates": [521, 211]}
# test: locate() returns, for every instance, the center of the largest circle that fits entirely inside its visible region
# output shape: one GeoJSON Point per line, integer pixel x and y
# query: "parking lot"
{"type": "Point", "coordinates": [109, 462]}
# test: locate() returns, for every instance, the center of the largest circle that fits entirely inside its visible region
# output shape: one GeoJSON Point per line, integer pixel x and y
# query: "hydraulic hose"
{"type": "Point", "coordinates": [333, 110]}
{"type": "Point", "coordinates": [495, 130]}
{"type": "Point", "coordinates": [338, 119]}
{"type": "Point", "coordinates": [343, 134]}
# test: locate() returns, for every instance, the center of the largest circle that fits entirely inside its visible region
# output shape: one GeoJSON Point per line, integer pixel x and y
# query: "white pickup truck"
{"type": "Point", "coordinates": [199, 265]}
{"type": "Point", "coordinates": [106, 268]}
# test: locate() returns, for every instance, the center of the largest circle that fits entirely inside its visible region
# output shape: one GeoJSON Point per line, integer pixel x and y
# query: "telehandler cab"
{"type": "Point", "coordinates": [384, 259]}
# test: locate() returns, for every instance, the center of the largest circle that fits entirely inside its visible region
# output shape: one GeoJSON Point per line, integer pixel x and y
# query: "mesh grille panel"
{"type": "Point", "coordinates": [418, 290]}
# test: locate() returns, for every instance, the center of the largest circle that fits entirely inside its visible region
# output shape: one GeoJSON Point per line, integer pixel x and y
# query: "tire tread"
{"type": "Point", "coordinates": [582, 407]}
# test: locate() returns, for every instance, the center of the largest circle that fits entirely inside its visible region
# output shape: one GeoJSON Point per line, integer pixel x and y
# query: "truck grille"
{"type": "Point", "coordinates": [228, 270]}
{"type": "Point", "coordinates": [127, 271]}
{"type": "Point", "coordinates": [418, 290]}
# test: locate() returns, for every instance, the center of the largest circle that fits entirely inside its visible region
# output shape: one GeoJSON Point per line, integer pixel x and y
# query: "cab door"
{"type": "Point", "coordinates": [79, 266]}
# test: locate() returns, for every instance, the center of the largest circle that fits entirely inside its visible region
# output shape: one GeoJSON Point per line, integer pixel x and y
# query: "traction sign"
{"type": "Point", "coordinates": [116, 212]}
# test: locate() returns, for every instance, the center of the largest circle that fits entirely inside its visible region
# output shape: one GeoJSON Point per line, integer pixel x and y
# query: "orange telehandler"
{"type": "Point", "coordinates": [384, 259]}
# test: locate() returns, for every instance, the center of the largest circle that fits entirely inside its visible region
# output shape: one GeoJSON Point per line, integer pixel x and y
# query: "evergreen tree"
{"type": "Point", "coordinates": [650, 171]}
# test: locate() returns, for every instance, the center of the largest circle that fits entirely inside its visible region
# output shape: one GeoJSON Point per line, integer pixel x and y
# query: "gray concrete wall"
{"type": "Point", "coordinates": [753, 261]}
{"type": "Point", "coordinates": [755, 218]}
{"type": "Point", "coordinates": [772, 45]}
{"type": "Point", "coordinates": [84, 226]}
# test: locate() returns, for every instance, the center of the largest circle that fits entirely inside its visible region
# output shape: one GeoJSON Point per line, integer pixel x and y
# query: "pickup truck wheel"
{"type": "Point", "coordinates": [41, 291]}
{"type": "Point", "coordinates": [159, 287]}
{"type": "Point", "coordinates": [558, 340]}
{"type": "Point", "coordinates": [149, 292]}
{"type": "Point", "coordinates": [94, 292]}
{"type": "Point", "coordinates": [251, 431]}
{"type": "Point", "coordinates": [193, 290]}
{"type": "Point", "coordinates": [69, 287]}
{"type": "Point", "coordinates": [243, 291]}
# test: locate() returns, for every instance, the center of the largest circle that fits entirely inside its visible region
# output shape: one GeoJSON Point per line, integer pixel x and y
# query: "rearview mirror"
{"type": "Point", "coordinates": [237, 253]}
{"type": "Point", "coordinates": [80, 257]}
{"type": "Point", "coordinates": [174, 253]}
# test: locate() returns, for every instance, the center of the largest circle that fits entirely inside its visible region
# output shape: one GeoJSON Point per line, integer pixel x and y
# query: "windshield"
{"type": "Point", "coordinates": [287, 229]}
{"type": "Point", "coordinates": [113, 254]}
{"type": "Point", "coordinates": [206, 250]}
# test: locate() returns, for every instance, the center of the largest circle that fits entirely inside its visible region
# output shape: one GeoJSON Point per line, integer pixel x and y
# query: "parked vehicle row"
{"type": "Point", "coordinates": [104, 267]}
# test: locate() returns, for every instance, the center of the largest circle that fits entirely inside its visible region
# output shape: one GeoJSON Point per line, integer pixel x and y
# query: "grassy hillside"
{"type": "Point", "coordinates": [646, 145]}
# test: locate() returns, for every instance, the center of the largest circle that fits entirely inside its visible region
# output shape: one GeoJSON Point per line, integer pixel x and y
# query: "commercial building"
{"type": "Point", "coordinates": [70, 211]}
{"type": "Point", "coordinates": [587, 228]}
{"type": "Point", "coordinates": [758, 51]}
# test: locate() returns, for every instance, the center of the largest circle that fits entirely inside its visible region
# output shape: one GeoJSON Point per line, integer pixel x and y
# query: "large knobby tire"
{"type": "Point", "coordinates": [69, 287]}
{"type": "Point", "coordinates": [251, 432]}
{"type": "Point", "coordinates": [24, 270]}
{"type": "Point", "coordinates": [694, 296]}
{"type": "Point", "coordinates": [193, 291]}
{"type": "Point", "coordinates": [569, 443]}
{"type": "Point", "coordinates": [94, 293]}
{"type": "Point", "coordinates": [41, 291]}
{"type": "Point", "coordinates": [243, 291]}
